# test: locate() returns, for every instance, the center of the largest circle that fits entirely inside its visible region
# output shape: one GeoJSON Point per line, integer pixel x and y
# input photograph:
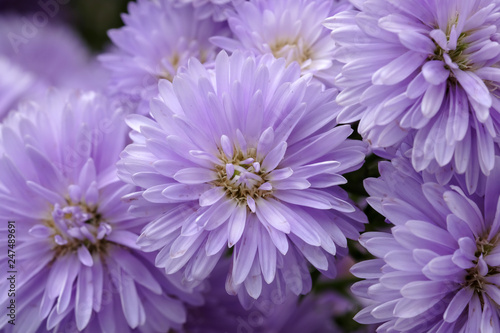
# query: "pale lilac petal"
{"type": "Point", "coordinates": [266, 212]}
{"type": "Point", "coordinates": [236, 225]}
{"type": "Point", "coordinates": [124, 237]}
{"type": "Point", "coordinates": [399, 69]}
{"type": "Point", "coordinates": [424, 289]}
{"type": "Point", "coordinates": [184, 191]}
{"type": "Point", "coordinates": [85, 256]}
{"type": "Point", "coordinates": [433, 98]}
{"type": "Point", "coordinates": [131, 304]}
{"type": "Point", "coordinates": [267, 256]}
{"type": "Point", "coordinates": [84, 294]}
{"type": "Point", "coordinates": [243, 259]}
{"type": "Point", "coordinates": [434, 72]}
{"type": "Point", "coordinates": [368, 269]}
{"type": "Point", "coordinates": [408, 308]}
{"type": "Point", "coordinates": [136, 270]}
{"type": "Point", "coordinates": [304, 199]}
{"type": "Point", "coordinates": [195, 176]}
{"type": "Point", "coordinates": [458, 304]}
{"type": "Point", "coordinates": [211, 196]}
{"type": "Point", "coordinates": [274, 157]}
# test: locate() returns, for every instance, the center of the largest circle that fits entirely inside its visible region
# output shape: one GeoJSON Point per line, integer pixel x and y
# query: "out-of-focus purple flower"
{"type": "Point", "coordinates": [248, 156]}
{"type": "Point", "coordinates": [276, 313]}
{"type": "Point", "coordinates": [158, 38]}
{"type": "Point", "coordinates": [15, 84]}
{"type": "Point", "coordinates": [438, 270]}
{"type": "Point", "coordinates": [33, 58]}
{"type": "Point", "coordinates": [290, 29]}
{"type": "Point", "coordinates": [427, 68]}
{"type": "Point", "coordinates": [77, 261]}
{"type": "Point", "coordinates": [217, 9]}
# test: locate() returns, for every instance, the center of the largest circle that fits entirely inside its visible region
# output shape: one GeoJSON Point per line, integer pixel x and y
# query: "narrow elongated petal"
{"type": "Point", "coordinates": [84, 294]}
{"type": "Point", "coordinates": [195, 176]}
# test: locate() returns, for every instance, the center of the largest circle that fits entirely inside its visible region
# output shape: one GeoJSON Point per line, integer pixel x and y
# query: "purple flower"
{"type": "Point", "coordinates": [77, 261]}
{"type": "Point", "coordinates": [217, 9]}
{"type": "Point", "coordinates": [34, 58]}
{"type": "Point", "coordinates": [15, 85]}
{"type": "Point", "coordinates": [438, 269]}
{"type": "Point", "coordinates": [157, 39]}
{"type": "Point", "coordinates": [424, 68]}
{"type": "Point", "coordinates": [246, 156]}
{"type": "Point", "coordinates": [276, 312]}
{"type": "Point", "coordinates": [290, 29]}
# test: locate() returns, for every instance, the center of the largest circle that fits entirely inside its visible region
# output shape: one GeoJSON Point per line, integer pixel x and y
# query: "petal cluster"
{"type": "Point", "coordinates": [245, 156]}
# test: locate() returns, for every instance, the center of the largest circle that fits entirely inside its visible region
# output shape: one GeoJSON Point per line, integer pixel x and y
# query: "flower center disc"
{"type": "Point", "coordinates": [241, 176]}
{"type": "Point", "coordinates": [75, 225]}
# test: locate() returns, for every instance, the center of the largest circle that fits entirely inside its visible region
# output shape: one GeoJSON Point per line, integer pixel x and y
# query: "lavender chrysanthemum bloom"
{"type": "Point", "coordinates": [217, 9]}
{"type": "Point", "coordinates": [158, 38]}
{"type": "Point", "coordinates": [33, 58]}
{"type": "Point", "coordinates": [439, 268]}
{"type": "Point", "coordinates": [427, 68]}
{"type": "Point", "coordinates": [245, 156]}
{"type": "Point", "coordinates": [78, 266]}
{"type": "Point", "coordinates": [290, 29]}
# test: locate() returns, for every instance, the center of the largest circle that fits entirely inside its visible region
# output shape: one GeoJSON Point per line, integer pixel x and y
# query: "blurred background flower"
{"type": "Point", "coordinates": [157, 40]}
{"type": "Point", "coordinates": [34, 58]}
{"type": "Point", "coordinates": [217, 9]}
{"type": "Point", "coordinates": [289, 29]}
{"type": "Point", "coordinates": [275, 313]}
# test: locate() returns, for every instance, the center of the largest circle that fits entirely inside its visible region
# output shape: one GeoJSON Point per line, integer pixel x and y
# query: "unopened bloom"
{"type": "Point", "coordinates": [429, 69]}
{"type": "Point", "coordinates": [158, 38]}
{"type": "Point", "coordinates": [246, 156]}
{"type": "Point", "coordinates": [438, 269]}
{"type": "Point", "coordinates": [289, 29]}
{"type": "Point", "coordinates": [78, 266]}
